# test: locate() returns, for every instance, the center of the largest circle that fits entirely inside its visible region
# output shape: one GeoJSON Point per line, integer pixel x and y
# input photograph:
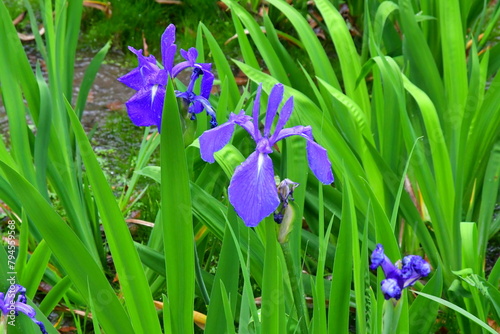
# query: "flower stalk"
{"type": "Point", "coordinates": [293, 270]}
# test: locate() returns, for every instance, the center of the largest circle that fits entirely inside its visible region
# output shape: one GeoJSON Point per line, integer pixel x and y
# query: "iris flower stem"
{"type": "Point", "coordinates": [271, 291]}
{"type": "Point", "coordinates": [297, 287]}
{"type": "Point", "coordinates": [3, 324]}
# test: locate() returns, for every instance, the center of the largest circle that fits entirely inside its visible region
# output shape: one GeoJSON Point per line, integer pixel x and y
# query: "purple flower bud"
{"type": "Point", "coordinates": [413, 268]}
{"type": "Point", "coordinates": [391, 289]}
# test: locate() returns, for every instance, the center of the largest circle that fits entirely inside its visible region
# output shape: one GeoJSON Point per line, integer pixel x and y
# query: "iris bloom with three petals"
{"type": "Point", "coordinates": [396, 279]}
{"type": "Point", "coordinates": [252, 190]}
{"type": "Point", "coordinates": [150, 81]}
{"type": "Point", "coordinates": [10, 307]}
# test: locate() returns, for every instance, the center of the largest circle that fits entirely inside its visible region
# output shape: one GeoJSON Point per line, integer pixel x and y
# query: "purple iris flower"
{"type": "Point", "coordinates": [252, 190]}
{"type": "Point", "coordinates": [150, 81]}
{"type": "Point", "coordinates": [396, 279]}
{"type": "Point", "coordinates": [196, 103]}
{"type": "Point", "coordinates": [10, 307]}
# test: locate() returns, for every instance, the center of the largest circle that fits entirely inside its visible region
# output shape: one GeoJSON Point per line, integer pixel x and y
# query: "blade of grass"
{"type": "Point", "coordinates": [488, 197]}
{"type": "Point", "coordinates": [247, 285]}
{"type": "Point", "coordinates": [458, 310]}
{"type": "Point", "coordinates": [88, 79]}
{"type": "Point", "coordinates": [226, 306]}
{"type": "Point", "coordinates": [55, 295]}
{"type": "Point", "coordinates": [272, 289]}
{"type": "Point", "coordinates": [320, 61]}
{"type": "Point", "coordinates": [33, 272]}
{"type": "Point", "coordinates": [227, 275]}
{"type": "Point", "coordinates": [350, 64]}
{"type": "Point", "coordinates": [133, 282]}
{"type": "Point", "coordinates": [66, 247]}
{"type": "Point", "coordinates": [423, 69]}
{"type": "Point", "coordinates": [223, 68]}
{"type": "Point", "coordinates": [42, 139]}
{"type": "Point", "coordinates": [13, 99]}
{"type": "Point", "coordinates": [338, 311]}
{"type": "Point", "coordinates": [176, 216]}
{"type": "Point", "coordinates": [209, 211]}
{"type": "Point", "coordinates": [261, 42]}
{"type": "Point", "coordinates": [443, 173]}
{"type": "Point", "coordinates": [296, 76]}
{"type": "Point", "coordinates": [423, 312]}
{"type": "Point", "coordinates": [454, 73]}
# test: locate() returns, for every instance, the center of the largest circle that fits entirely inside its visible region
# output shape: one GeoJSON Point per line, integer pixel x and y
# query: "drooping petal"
{"type": "Point", "coordinates": [25, 308]}
{"type": "Point", "coordinates": [390, 288]}
{"type": "Point", "coordinates": [319, 162]}
{"type": "Point", "coordinates": [168, 48]}
{"type": "Point", "coordinates": [252, 190]}
{"type": "Point", "coordinates": [299, 130]}
{"type": "Point", "coordinates": [317, 155]}
{"type": "Point", "coordinates": [215, 139]}
{"type": "Point", "coordinates": [414, 267]}
{"type": "Point", "coordinates": [207, 82]}
{"type": "Point", "coordinates": [40, 325]}
{"type": "Point", "coordinates": [133, 79]}
{"type": "Point", "coordinates": [272, 107]}
{"type": "Point", "coordinates": [255, 114]}
{"type": "Point", "coordinates": [421, 266]}
{"type": "Point", "coordinates": [208, 109]}
{"type": "Point", "coordinates": [146, 106]}
{"type": "Point", "coordinates": [3, 306]}
{"type": "Point", "coordinates": [30, 312]}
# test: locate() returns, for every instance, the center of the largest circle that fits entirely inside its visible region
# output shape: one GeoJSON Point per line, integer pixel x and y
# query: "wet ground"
{"type": "Point", "coordinates": [106, 97]}
{"type": "Point", "coordinates": [115, 139]}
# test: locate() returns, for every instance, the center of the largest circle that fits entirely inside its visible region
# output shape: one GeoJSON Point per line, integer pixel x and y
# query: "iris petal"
{"type": "Point", "coordinates": [139, 76]}
{"type": "Point", "coordinates": [214, 140]}
{"type": "Point", "coordinates": [391, 288]}
{"type": "Point", "coordinates": [414, 267]}
{"type": "Point", "coordinates": [26, 309]}
{"type": "Point", "coordinates": [317, 155]}
{"type": "Point", "coordinates": [272, 106]}
{"type": "Point", "coordinates": [377, 257]}
{"type": "Point", "coordinates": [318, 162]}
{"type": "Point", "coordinates": [206, 84]}
{"type": "Point", "coordinates": [168, 48]}
{"type": "Point", "coordinates": [146, 106]}
{"type": "Point", "coordinates": [192, 54]}
{"type": "Point", "coordinates": [252, 190]}
{"type": "Point", "coordinates": [285, 113]}
{"type": "Point", "coordinates": [179, 68]}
